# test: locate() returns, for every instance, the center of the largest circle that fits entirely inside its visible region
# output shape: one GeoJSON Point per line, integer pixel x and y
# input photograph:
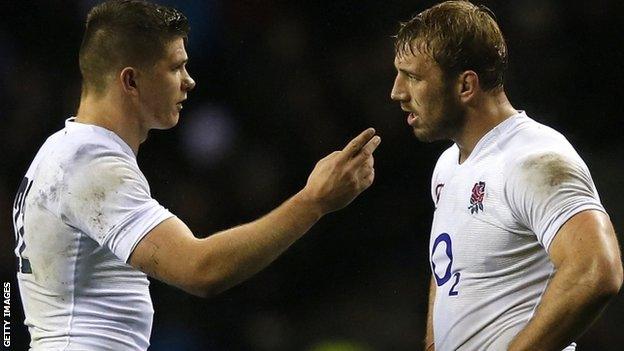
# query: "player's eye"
{"type": "Point", "coordinates": [412, 76]}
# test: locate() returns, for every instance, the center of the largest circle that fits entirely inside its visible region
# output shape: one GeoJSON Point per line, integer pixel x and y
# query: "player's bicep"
{"type": "Point", "coordinates": [587, 245]}
{"type": "Point", "coordinates": [169, 253]}
{"type": "Point", "coordinates": [586, 237]}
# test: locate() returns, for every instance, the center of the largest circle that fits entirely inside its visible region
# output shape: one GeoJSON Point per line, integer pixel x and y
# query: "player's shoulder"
{"type": "Point", "coordinates": [80, 143]}
{"type": "Point", "coordinates": [526, 133]}
{"type": "Point", "coordinates": [526, 138]}
{"type": "Point", "coordinates": [530, 147]}
{"type": "Point", "coordinates": [91, 139]}
{"type": "Point", "coordinates": [80, 149]}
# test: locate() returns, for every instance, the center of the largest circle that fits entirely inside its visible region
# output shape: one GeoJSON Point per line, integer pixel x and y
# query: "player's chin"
{"type": "Point", "coordinates": [175, 118]}
{"type": "Point", "coordinates": [170, 121]}
{"type": "Point", "coordinates": [424, 135]}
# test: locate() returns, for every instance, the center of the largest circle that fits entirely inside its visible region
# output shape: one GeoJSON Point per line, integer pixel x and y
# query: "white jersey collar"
{"type": "Point", "coordinates": [71, 124]}
{"type": "Point", "coordinates": [490, 137]}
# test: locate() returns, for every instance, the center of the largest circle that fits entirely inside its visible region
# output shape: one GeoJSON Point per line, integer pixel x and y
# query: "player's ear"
{"type": "Point", "coordinates": [128, 78]}
{"type": "Point", "coordinates": [469, 81]}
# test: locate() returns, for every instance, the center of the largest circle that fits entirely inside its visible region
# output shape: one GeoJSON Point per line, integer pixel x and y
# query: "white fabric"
{"type": "Point", "coordinates": [86, 207]}
{"type": "Point", "coordinates": [490, 257]}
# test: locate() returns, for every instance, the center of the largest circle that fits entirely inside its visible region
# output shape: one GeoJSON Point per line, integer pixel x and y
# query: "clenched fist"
{"type": "Point", "coordinates": [341, 176]}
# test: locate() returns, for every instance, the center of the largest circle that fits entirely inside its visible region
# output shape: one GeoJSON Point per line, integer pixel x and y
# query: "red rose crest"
{"type": "Point", "coordinates": [476, 198]}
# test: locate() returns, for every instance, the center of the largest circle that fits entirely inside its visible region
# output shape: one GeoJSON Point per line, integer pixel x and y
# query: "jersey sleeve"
{"type": "Point", "coordinates": [108, 199]}
{"type": "Point", "coordinates": [545, 190]}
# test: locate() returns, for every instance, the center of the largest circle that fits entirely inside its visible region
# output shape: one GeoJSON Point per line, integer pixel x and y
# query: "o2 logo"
{"type": "Point", "coordinates": [442, 254]}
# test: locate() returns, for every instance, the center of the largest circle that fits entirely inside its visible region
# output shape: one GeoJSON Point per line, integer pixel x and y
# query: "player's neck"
{"type": "Point", "coordinates": [108, 113]}
{"type": "Point", "coordinates": [486, 114]}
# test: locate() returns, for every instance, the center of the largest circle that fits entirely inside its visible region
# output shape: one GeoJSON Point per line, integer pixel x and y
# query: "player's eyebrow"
{"type": "Point", "coordinates": [408, 72]}
{"type": "Point", "coordinates": [181, 62]}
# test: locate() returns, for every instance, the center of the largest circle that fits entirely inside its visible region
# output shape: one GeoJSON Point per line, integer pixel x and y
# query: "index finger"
{"type": "Point", "coordinates": [355, 145]}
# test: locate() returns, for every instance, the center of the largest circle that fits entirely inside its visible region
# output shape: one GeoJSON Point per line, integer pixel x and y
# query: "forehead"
{"type": "Point", "coordinates": [413, 60]}
{"type": "Point", "coordinates": [175, 50]}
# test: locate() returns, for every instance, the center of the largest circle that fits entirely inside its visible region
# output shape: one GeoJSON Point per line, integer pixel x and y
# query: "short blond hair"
{"type": "Point", "coordinates": [458, 36]}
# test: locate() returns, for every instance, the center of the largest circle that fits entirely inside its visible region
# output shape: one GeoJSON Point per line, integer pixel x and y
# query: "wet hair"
{"type": "Point", "coordinates": [122, 33]}
{"type": "Point", "coordinates": [458, 36]}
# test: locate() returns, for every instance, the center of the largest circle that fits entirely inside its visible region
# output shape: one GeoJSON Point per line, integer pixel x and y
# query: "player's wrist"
{"type": "Point", "coordinates": [309, 203]}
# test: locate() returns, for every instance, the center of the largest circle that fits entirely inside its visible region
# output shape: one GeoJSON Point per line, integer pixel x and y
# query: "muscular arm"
{"type": "Point", "coordinates": [588, 266]}
{"type": "Point", "coordinates": [204, 267]}
{"type": "Point", "coordinates": [429, 341]}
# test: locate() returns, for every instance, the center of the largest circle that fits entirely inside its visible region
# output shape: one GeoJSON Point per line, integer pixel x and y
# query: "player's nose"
{"type": "Point", "coordinates": [188, 83]}
{"type": "Point", "coordinates": [398, 92]}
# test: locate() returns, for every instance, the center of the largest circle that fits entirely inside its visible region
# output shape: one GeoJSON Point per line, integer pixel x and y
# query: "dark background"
{"type": "Point", "coordinates": [281, 84]}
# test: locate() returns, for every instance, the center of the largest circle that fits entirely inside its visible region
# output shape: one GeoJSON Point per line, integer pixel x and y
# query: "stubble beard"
{"type": "Point", "coordinates": [447, 124]}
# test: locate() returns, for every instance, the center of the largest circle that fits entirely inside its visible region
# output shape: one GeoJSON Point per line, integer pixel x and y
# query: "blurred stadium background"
{"type": "Point", "coordinates": [281, 84]}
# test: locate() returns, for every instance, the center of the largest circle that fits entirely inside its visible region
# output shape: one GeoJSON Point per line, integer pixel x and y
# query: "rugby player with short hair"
{"type": "Point", "coordinates": [88, 231]}
{"type": "Point", "coordinates": [523, 254]}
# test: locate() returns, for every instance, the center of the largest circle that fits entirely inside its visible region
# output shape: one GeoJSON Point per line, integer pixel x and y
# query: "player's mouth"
{"type": "Point", "coordinates": [179, 105]}
{"type": "Point", "coordinates": [412, 116]}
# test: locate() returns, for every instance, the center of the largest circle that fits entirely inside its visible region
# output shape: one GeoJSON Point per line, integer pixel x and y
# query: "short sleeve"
{"type": "Point", "coordinates": [545, 190]}
{"type": "Point", "coordinates": [108, 199]}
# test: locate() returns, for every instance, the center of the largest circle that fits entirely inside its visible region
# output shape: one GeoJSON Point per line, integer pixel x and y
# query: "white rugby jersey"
{"type": "Point", "coordinates": [496, 215]}
{"type": "Point", "coordinates": [81, 209]}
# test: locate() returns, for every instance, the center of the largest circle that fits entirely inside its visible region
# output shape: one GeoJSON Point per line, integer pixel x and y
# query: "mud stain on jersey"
{"type": "Point", "coordinates": [548, 171]}
{"type": "Point", "coordinates": [96, 187]}
{"type": "Point", "coordinates": [49, 189]}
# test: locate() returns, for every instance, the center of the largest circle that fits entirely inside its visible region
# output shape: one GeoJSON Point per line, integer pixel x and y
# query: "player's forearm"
{"type": "Point", "coordinates": [573, 300]}
{"type": "Point", "coordinates": [236, 254]}
{"type": "Point", "coordinates": [429, 341]}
